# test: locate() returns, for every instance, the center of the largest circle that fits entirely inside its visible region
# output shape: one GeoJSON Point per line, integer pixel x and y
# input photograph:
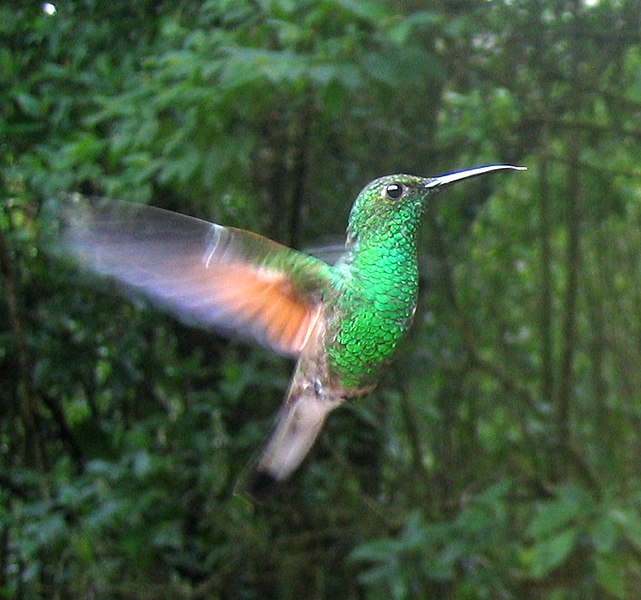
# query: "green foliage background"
{"type": "Point", "coordinates": [500, 457]}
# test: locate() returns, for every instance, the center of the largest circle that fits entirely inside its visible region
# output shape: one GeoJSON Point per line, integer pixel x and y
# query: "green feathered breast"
{"type": "Point", "coordinates": [379, 284]}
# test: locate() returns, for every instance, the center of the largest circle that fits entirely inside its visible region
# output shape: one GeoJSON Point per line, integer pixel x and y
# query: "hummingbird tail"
{"type": "Point", "coordinates": [297, 427]}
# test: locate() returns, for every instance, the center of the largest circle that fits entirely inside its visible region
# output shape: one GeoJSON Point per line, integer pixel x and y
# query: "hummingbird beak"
{"type": "Point", "coordinates": [444, 180]}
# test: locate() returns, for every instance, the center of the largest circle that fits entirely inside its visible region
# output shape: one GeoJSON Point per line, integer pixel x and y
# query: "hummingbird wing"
{"type": "Point", "coordinates": [219, 277]}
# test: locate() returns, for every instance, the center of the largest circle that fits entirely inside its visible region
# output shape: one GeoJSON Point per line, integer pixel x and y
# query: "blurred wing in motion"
{"type": "Point", "coordinates": [224, 278]}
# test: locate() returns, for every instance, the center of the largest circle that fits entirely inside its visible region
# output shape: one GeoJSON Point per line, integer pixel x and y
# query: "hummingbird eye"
{"type": "Point", "coordinates": [394, 190]}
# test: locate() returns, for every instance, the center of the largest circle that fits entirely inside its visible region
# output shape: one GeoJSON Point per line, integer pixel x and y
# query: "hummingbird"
{"type": "Point", "coordinates": [342, 322]}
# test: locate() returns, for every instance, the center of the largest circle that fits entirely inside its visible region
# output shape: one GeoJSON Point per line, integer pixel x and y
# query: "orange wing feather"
{"type": "Point", "coordinates": [224, 278]}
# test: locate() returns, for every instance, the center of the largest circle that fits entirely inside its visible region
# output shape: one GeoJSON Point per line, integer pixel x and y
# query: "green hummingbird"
{"type": "Point", "coordinates": [341, 322]}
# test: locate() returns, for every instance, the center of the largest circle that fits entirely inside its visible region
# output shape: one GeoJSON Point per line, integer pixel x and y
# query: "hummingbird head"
{"type": "Point", "coordinates": [397, 202]}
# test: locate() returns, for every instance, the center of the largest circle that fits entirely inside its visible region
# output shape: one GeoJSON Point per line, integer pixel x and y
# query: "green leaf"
{"type": "Point", "coordinates": [553, 516]}
{"type": "Point", "coordinates": [381, 550]}
{"type": "Point", "coordinates": [549, 553]}
{"type": "Point", "coordinates": [630, 523]}
{"type": "Point", "coordinates": [610, 574]}
{"type": "Point", "coordinates": [604, 534]}
{"type": "Point", "coordinates": [29, 104]}
{"type": "Point", "coordinates": [401, 30]}
{"type": "Point", "coordinates": [572, 502]}
{"type": "Point", "coordinates": [368, 11]}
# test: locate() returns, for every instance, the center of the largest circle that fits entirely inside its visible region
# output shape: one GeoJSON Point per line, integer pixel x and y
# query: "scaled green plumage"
{"type": "Point", "coordinates": [378, 297]}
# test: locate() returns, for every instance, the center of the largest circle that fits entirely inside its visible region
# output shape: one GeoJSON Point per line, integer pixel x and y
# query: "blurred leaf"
{"type": "Point", "coordinates": [376, 551]}
{"type": "Point", "coordinates": [550, 552]}
{"type": "Point", "coordinates": [605, 534]}
{"type": "Point", "coordinates": [610, 573]}
{"type": "Point", "coordinates": [556, 514]}
{"type": "Point", "coordinates": [630, 523]}
{"type": "Point", "coordinates": [29, 104]}
{"type": "Point", "coordinates": [400, 32]}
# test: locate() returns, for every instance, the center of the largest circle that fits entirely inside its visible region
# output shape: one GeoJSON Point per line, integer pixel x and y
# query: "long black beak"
{"type": "Point", "coordinates": [444, 180]}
